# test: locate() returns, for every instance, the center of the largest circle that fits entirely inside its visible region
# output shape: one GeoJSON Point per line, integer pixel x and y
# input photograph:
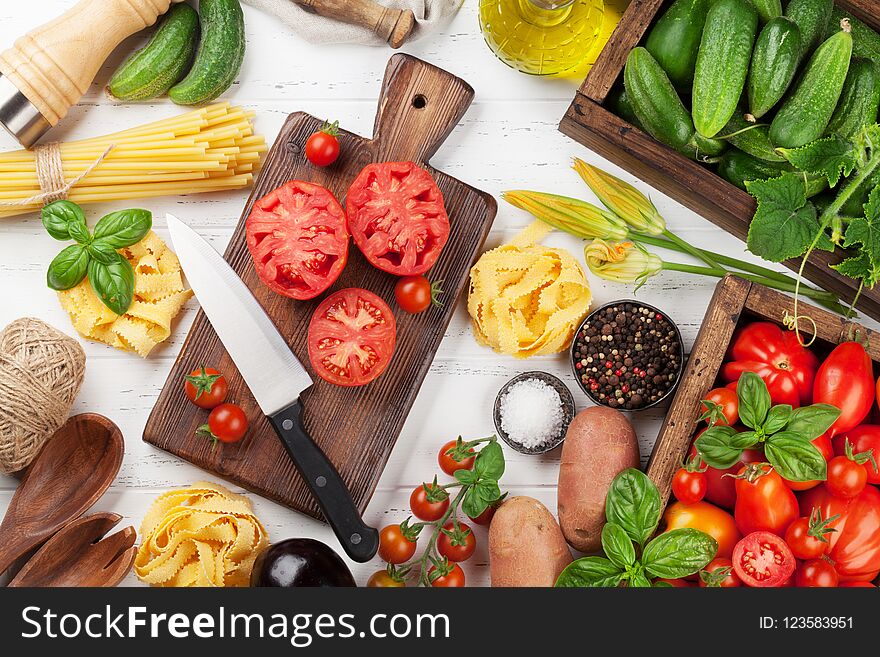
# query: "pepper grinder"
{"type": "Point", "coordinates": [51, 67]}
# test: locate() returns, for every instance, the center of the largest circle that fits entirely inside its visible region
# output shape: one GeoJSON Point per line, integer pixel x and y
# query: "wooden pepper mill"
{"type": "Point", "coordinates": [50, 68]}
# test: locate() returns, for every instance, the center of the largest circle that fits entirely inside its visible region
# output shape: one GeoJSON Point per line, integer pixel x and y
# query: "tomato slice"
{"type": "Point", "coordinates": [298, 239]}
{"type": "Point", "coordinates": [351, 337]}
{"type": "Point", "coordinates": [763, 559]}
{"type": "Point", "coordinates": [397, 217]}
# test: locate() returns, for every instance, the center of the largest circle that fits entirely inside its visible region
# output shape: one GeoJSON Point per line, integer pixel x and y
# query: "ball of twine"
{"type": "Point", "coordinates": [41, 372]}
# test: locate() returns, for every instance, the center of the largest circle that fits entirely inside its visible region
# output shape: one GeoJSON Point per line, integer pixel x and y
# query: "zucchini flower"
{"type": "Point", "coordinates": [622, 199]}
{"type": "Point", "coordinates": [571, 215]}
{"type": "Point", "coordinates": [622, 262]}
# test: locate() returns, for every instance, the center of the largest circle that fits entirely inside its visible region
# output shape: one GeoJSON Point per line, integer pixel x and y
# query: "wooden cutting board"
{"type": "Point", "coordinates": [419, 105]}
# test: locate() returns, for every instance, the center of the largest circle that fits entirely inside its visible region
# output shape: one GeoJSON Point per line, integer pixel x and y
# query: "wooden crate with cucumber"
{"type": "Point", "coordinates": [701, 98]}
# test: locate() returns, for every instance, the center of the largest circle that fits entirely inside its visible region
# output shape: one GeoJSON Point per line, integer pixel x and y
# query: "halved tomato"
{"type": "Point", "coordinates": [351, 337]}
{"type": "Point", "coordinates": [298, 239]}
{"type": "Point", "coordinates": [763, 559]}
{"type": "Point", "coordinates": [397, 217]}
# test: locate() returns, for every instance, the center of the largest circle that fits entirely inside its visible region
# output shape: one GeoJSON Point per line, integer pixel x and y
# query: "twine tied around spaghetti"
{"type": "Point", "coordinates": [50, 175]}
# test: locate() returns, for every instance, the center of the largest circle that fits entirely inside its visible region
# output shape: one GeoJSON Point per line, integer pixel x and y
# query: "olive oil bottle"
{"type": "Point", "coordinates": [541, 37]}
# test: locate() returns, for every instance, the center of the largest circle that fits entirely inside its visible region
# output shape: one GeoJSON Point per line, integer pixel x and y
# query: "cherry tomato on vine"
{"type": "Point", "coordinates": [808, 536]}
{"type": "Point", "coordinates": [456, 543]}
{"type": "Point", "coordinates": [719, 573]}
{"type": "Point", "coordinates": [723, 409]}
{"type": "Point", "coordinates": [451, 576]}
{"type": "Point", "coordinates": [816, 573]}
{"type": "Point", "coordinates": [383, 580]}
{"type": "Point", "coordinates": [689, 487]}
{"type": "Point", "coordinates": [206, 387]}
{"type": "Point", "coordinates": [863, 438]}
{"type": "Point", "coordinates": [394, 546]}
{"type": "Point", "coordinates": [322, 147]}
{"type": "Point", "coordinates": [454, 456]}
{"type": "Point", "coordinates": [429, 502]}
{"type": "Point", "coordinates": [846, 478]}
{"type": "Point", "coordinates": [485, 518]}
{"type": "Point", "coordinates": [416, 294]}
{"type": "Point", "coordinates": [226, 423]}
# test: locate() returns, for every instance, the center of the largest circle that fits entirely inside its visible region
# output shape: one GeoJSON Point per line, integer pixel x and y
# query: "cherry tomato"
{"type": "Point", "coordinates": [226, 423]}
{"type": "Point", "coordinates": [675, 583]}
{"type": "Point", "coordinates": [856, 585]}
{"type": "Point", "coordinates": [206, 387]}
{"type": "Point", "coordinates": [707, 518]}
{"type": "Point", "coordinates": [688, 487]}
{"type": "Point", "coordinates": [721, 489]}
{"type": "Point", "coordinates": [846, 478]}
{"type": "Point", "coordinates": [394, 546]}
{"type": "Point", "coordinates": [846, 381]}
{"type": "Point", "coordinates": [808, 536]}
{"type": "Point", "coordinates": [862, 439]}
{"type": "Point", "coordinates": [726, 409]}
{"type": "Point", "coordinates": [322, 147]}
{"type": "Point", "coordinates": [425, 509]}
{"type": "Point", "coordinates": [816, 573]}
{"type": "Point", "coordinates": [382, 580]}
{"type": "Point", "coordinates": [416, 294]}
{"type": "Point", "coordinates": [713, 575]}
{"type": "Point", "coordinates": [823, 444]}
{"type": "Point", "coordinates": [456, 543]}
{"type": "Point", "coordinates": [449, 458]}
{"type": "Point", "coordinates": [485, 518]}
{"type": "Point", "coordinates": [763, 559]}
{"type": "Point", "coordinates": [777, 356]}
{"type": "Point", "coordinates": [763, 501]}
{"type": "Point", "coordinates": [453, 579]}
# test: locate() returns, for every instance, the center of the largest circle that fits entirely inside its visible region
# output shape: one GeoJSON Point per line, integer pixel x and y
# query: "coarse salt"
{"type": "Point", "coordinates": [531, 413]}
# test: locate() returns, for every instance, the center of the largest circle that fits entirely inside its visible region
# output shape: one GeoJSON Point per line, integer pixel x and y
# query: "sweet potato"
{"type": "Point", "coordinates": [599, 445]}
{"type": "Point", "coordinates": [526, 546]}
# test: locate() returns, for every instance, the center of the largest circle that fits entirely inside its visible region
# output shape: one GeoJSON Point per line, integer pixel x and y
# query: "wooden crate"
{"type": "Point", "coordinates": [690, 183]}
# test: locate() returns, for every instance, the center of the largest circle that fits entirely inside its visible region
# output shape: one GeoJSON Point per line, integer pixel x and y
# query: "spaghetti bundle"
{"type": "Point", "coordinates": [210, 149]}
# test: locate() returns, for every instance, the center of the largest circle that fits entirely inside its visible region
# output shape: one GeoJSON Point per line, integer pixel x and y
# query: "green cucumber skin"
{"type": "Point", "coordinates": [675, 39]}
{"type": "Point", "coordinates": [723, 63]}
{"type": "Point", "coordinates": [219, 56]}
{"type": "Point", "coordinates": [707, 146]}
{"type": "Point", "coordinates": [866, 41]}
{"type": "Point", "coordinates": [768, 9]}
{"type": "Point", "coordinates": [774, 64]}
{"type": "Point", "coordinates": [750, 138]}
{"type": "Point", "coordinates": [813, 18]}
{"type": "Point", "coordinates": [805, 114]}
{"type": "Point", "coordinates": [859, 100]}
{"type": "Point", "coordinates": [618, 103]}
{"type": "Point", "coordinates": [737, 167]}
{"type": "Point", "coordinates": [155, 68]}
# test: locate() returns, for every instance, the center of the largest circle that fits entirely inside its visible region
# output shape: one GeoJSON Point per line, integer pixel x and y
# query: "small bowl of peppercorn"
{"type": "Point", "coordinates": [627, 355]}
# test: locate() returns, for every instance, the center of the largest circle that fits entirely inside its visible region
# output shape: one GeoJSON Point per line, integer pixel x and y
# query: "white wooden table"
{"type": "Point", "coordinates": [507, 140]}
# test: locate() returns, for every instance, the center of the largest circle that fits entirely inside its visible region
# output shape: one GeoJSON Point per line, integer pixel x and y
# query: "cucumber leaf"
{"type": "Point", "coordinates": [864, 231]}
{"type": "Point", "coordinates": [832, 157]}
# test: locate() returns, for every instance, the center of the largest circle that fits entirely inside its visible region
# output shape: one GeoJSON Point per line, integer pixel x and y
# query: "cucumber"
{"type": "Point", "coordinates": [153, 69]}
{"type": "Point", "coordinates": [219, 57]}
{"type": "Point", "coordinates": [675, 39]}
{"type": "Point", "coordinates": [855, 204]}
{"type": "Point", "coordinates": [813, 18]}
{"type": "Point", "coordinates": [706, 146]}
{"type": "Point", "coordinates": [768, 9]}
{"type": "Point", "coordinates": [722, 63]}
{"type": "Point", "coordinates": [774, 64]}
{"type": "Point", "coordinates": [805, 114]}
{"type": "Point", "coordinates": [859, 100]}
{"type": "Point", "coordinates": [618, 103]}
{"type": "Point", "coordinates": [737, 167]}
{"type": "Point", "coordinates": [751, 138]}
{"type": "Point", "coordinates": [866, 41]}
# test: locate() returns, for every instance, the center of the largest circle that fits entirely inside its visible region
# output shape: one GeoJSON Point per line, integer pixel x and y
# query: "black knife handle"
{"type": "Point", "coordinates": [359, 540]}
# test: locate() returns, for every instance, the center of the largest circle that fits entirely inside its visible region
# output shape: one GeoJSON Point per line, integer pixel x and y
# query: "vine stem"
{"type": "Point", "coordinates": [432, 546]}
{"type": "Point", "coordinates": [692, 250]}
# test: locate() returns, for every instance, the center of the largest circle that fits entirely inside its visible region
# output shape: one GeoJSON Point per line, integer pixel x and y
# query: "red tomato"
{"type": "Point", "coordinates": [727, 405]}
{"type": "Point", "coordinates": [453, 579]}
{"type": "Point", "coordinates": [382, 580]}
{"type": "Point", "coordinates": [763, 502]}
{"type": "Point", "coordinates": [675, 583]}
{"type": "Point", "coordinates": [856, 585]}
{"type": "Point", "coordinates": [721, 489]}
{"type": "Point", "coordinates": [298, 239]}
{"type": "Point", "coordinates": [823, 444]}
{"type": "Point", "coordinates": [322, 147]}
{"type": "Point", "coordinates": [456, 544]}
{"type": "Point", "coordinates": [763, 559]}
{"type": "Point", "coordinates": [415, 294]}
{"type": "Point", "coordinates": [816, 573]}
{"type": "Point", "coordinates": [863, 438]}
{"type": "Point", "coordinates": [485, 518]}
{"type": "Point", "coordinates": [688, 487]}
{"type": "Point", "coordinates": [707, 518]}
{"type": "Point", "coordinates": [777, 356]}
{"type": "Point", "coordinates": [846, 381]}
{"type": "Point", "coordinates": [397, 217]}
{"type": "Point", "coordinates": [227, 423]}
{"type": "Point", "coordinates": [713, 575]}
{"type": "Point", "coordinates": [394, 546]}
{"type": "Point", "coordinates": [351, 337]}
{"type": "Point", "coordinates": [449, 463]}
{"type": "Point", "coordinates": [855, 546]}
{"type": "Point", "coordinates": [846, 478]}
{"type": "Point", "coordinates": [425, 509]}
{"type": "Point", "coordinates": [805, 537]}
{"type": "Point", "coordinates": [206, 387]}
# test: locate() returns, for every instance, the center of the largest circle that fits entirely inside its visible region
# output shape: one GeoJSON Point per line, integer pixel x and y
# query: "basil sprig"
{"type": "Point", "coordinates": [783, 432]}
{"type": "Point", "coordinates": [632, 508]}
{"type": "Point", "coordinates": [481, 483]}
{"type": "Point", "coordinates": [95, 255]}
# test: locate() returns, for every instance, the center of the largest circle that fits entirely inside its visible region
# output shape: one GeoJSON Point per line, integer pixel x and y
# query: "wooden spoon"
{"type": "Point", "coordinates": [72, 471]}
{"type": "Point", "coordinates": [82, 555]}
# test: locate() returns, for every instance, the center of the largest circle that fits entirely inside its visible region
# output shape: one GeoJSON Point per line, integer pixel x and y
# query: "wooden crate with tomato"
{"type": "Point", "coordinates": [744, 329]}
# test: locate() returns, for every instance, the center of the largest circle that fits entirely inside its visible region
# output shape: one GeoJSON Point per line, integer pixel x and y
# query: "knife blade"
{"type": "Point", "coordinates": [274, 376]}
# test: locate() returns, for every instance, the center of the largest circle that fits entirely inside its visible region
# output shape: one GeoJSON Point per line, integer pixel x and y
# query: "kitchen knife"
{"type": "Point", "coordinates": [275, 378]}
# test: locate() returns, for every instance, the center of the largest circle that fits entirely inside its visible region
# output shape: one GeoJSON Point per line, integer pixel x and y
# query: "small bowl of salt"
{"type": "Point", "coordinates": [533, 411]}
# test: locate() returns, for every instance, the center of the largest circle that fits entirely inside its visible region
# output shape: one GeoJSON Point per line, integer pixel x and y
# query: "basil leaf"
{"type": "Point", "coordinates": [662, 585]}
{"type": "Point", "coordinates": [810, 422]}
{"type": "Point", "coordinates": [716, 448]}
{"type": "Point", "coordinates": [102, 252]}
{"type": "Point", "coordinates": [465, 476]}
{"type": "Point", "coordinates": [490, 462]}
{"type": "Point", "coordinates": [479, 496]}
{"type": "Point", "coordinates": [589, 572]}
{"type": "Point", "coordinates": [58, 216]}
{"type": "Point", "coordinates": [679, 553]}
{"type": "Point", "coordinates": [795, 458]}
{"type": "Point", "coordinates": [777, 418]}
{"type": "Point", "coordinates": [754, 400]}
{"type": "Point", "coordinates": [743, 440]}
{"type": "Point", "coordinates": [617, 545]}
{"type": "Point", "coordinates": [633, 502]}
{"type": "Point", "coordinates": [68, 268]}
{"type": "Point", "coordinates": [113, 283]}
{"type": "Point", "coordinates": [637, 580]}
{"type": "Point", "coordinates": [124, 228]}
